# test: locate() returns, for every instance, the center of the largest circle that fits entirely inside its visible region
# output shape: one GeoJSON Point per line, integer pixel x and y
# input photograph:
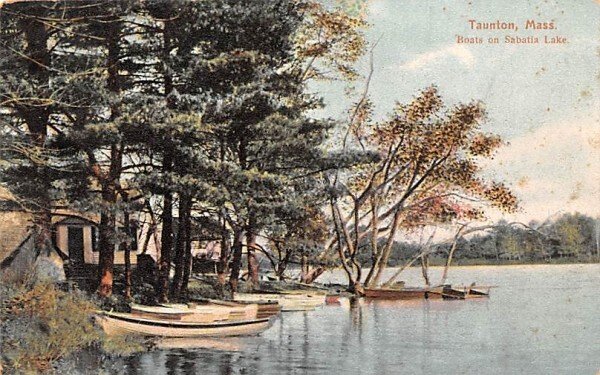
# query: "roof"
{"type": "Point", "coordinates": [72, 220]}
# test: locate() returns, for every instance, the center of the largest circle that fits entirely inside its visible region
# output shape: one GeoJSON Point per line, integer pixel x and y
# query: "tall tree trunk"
{"type": "Point", "coordinates": [340, 231]}
{"type": "Point", "coordinates": [107, 225]}
{"type": "Point", "coordinates": [127, 250]}
{"type": "Point", "coordinates": [236, 262]}
{"type": "Point", "coordinates": [180, 246]}
{"type": "Point", "coordinates": [304, 266]}
{"type": "Point", "coordinates": [313, 274]}
{"type": "Point", "coordinates": [166, 245]}
{"type": "Point", "coordinates": [167, 167]}
{"type": "Point", "coordinates": [449, 261]}
{"type": "Point", "coordinates": [283, 263]}
{"type": "Point", "coordinates": [251, 251]}
{"type": "Point", "coordinates": [110, 180]}
{"type": "Point", "coordinates": [376, 252]}
{"type": "Point", "coordinates": [36, 117]}
{"type": "Point", "coordinates": [187, 270]}
{"type": "Point", "coordinates": [223, 264]}
{"type": "Point", "coordinates": [425, 269]}
{"type": "Point", "coordinates": [106, 244]}
{"type": "Point", "coordinates": [383, 258]}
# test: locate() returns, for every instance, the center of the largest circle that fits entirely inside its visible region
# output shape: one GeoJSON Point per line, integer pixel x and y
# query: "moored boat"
{"type": "Point", "coordinates": [479, 291]}
{"type": "Point", "coordinates": [288, 302]}
{"type": "Point", "coordinates": [130, 324]}
{"type": "Point", "coordinates": [265, 309]}
{"type": "Point", "coordinates": [465, 292]}
{"type": "Point", "coordinates": [232, 312]}
{"type": "Point", "coordinates": [404, 293]}
{"type": "Point", "coordinates": [332, 299]}
{"type": "Point", "coordinates": [179, 313]}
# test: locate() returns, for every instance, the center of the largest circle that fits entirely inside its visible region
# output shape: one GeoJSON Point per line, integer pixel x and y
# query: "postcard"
{"type": "Point", "coordinates": [299, 186]}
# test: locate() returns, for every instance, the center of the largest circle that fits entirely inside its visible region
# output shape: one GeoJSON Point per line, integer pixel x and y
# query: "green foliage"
{"type": "Point", "coordinates": [568, 238]}
{"type": "Point", "coordinates": [200, 101]}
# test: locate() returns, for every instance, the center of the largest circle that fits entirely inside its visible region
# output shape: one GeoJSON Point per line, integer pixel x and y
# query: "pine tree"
{"type": "Point", "coordinates": [27, 98]}
{"type": "Point", "coordinates": [255, 67]}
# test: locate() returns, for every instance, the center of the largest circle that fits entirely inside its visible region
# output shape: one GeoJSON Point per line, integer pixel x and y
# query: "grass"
{"type": "Point", "coordinates": [41, 324]}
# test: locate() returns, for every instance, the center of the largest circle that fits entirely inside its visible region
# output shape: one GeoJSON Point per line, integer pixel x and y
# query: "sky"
{"type": "Point", "coordinates": [543, 99]}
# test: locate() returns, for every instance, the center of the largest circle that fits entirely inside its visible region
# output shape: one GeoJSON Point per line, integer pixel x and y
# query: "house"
{"type": "Point", "coordinates": [78, 238]}
{"type": "Point", "coordinates": [19, 259]}
{"type": "Point", "coordinates": [14, 224]}
{"type": "Point", "coordinates": [26, 262]}
{"type": "Point", "coordinates": [75, 235]}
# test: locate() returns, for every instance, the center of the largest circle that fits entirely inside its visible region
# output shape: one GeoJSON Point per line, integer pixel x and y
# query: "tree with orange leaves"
{"type": "Point", "coordinates": [427, 173]}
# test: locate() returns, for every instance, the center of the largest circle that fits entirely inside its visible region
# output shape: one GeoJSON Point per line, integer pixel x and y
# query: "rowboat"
{"type": "Point", "coordinates": [332, 299]}
{"type": "Point", "coordinates": [404, 293]}
{"type": "Point", "coordinates": [232, 312]}
{"type": "Point", "coordinates": [465, 292]}
{"type": "Point", "coordinates": [179, 313]}
{"type": "Point", "coordinates": [129, 324]}
{"type": "Point", "coordinates": [288, 301]}
{"type": "Point", "coordinates": [266, 309]}
{"type": "Point", "coordinates": [479, 291]}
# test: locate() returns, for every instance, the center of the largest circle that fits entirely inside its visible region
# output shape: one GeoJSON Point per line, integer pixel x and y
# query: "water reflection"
{"type": "Point", "coordinates": [356, 313]}
{"type": "Point", "coordinates": [226, 344]}
{"type": "Point", "coordinates": [540, 329]}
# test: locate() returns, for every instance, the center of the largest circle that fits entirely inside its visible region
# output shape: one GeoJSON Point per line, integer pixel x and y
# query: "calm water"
{"type": "Point", "coordinates": [540, 320]}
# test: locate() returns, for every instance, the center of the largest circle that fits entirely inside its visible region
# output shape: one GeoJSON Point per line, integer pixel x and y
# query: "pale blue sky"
{"type": "Point", "coordinates": [532, 92]}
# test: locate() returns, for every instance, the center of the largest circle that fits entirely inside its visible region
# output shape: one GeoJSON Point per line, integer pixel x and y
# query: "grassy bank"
{"type": "Point", "coordinates": [42, 325]}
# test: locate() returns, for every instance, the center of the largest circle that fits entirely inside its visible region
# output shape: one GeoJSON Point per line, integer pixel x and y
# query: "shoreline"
{"type": "Point", "coordinates": [507, 265]}
{"type": "Point", "coordinates": [490, 262]}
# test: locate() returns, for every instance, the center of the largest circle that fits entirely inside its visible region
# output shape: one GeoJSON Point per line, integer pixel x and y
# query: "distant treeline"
{"type": "Point", "coordinates": [568, 238]}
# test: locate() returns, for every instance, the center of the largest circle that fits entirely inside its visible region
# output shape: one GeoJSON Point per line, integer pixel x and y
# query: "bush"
{"type": "Point", "coordinates": [41, 324]}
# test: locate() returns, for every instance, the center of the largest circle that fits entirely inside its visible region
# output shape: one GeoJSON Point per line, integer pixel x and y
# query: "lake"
{"type": "Point", "coordinates": [541, 319]}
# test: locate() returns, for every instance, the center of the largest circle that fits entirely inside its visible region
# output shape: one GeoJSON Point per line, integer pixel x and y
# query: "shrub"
{"type": "Point", "coordinates": [40, 324]}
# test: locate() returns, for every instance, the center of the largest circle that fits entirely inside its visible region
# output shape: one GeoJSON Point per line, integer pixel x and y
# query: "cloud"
{"type": "Point", "coordinates": [458, 51]}
{"type": "Point", "coordinates": [554, 168]}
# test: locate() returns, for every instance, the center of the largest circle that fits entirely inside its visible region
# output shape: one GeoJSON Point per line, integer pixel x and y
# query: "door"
{"type": "Point", "coordinates": [76, 244]}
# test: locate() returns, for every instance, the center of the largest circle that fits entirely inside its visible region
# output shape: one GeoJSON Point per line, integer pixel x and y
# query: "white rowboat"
{"type": "Point", "coordinates": [288, 302]}
{"type": "Point", "coordinates": [128, 324]}
{"type": "Point", "coordinates": [179, 313]}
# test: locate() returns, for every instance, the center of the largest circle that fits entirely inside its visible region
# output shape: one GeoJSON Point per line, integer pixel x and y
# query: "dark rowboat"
{"type": "Point", "coordinates": [403, 293]}
{"type": "Point", "coordinates": [332, 299]}
{"type": "Point", "coordinates": [465, 292]}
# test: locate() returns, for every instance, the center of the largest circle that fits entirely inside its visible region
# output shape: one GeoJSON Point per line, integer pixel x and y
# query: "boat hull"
{"type": "Point", "coordinates": [288, 302]}
{"type": "Point", "coordinates": [465, 292]}
{"type": "Point", "coordinates": [232, 313]}
{"type": "Point", "coordinates": [179, 313]}
{"type": "Point", "coordinates": [265, 309]}
{"type": "Point", "coordinates": [403, 293]}
{"type": "Point", "coordinates": [129, 324]}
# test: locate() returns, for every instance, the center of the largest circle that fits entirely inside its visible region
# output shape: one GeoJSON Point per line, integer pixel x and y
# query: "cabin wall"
{"type": "Point", "coordinates": [153, 243]}
{"type": "Point", "coordinates": [120, 257]}
{"type": "Point", "coordinates": [153, 249]}
{"type": "Point", "coordinates": [89, 255]}
{"type": "Point", "coordinates": [62, 239]}
{"type": "Point", "coordinates": [13, 230]}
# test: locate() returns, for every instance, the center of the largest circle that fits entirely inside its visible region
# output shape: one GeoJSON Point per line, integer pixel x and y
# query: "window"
{"type": "Point", "coordinates": [95, 239]}
{"type": "Point", "coordinates": [134, 241]}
